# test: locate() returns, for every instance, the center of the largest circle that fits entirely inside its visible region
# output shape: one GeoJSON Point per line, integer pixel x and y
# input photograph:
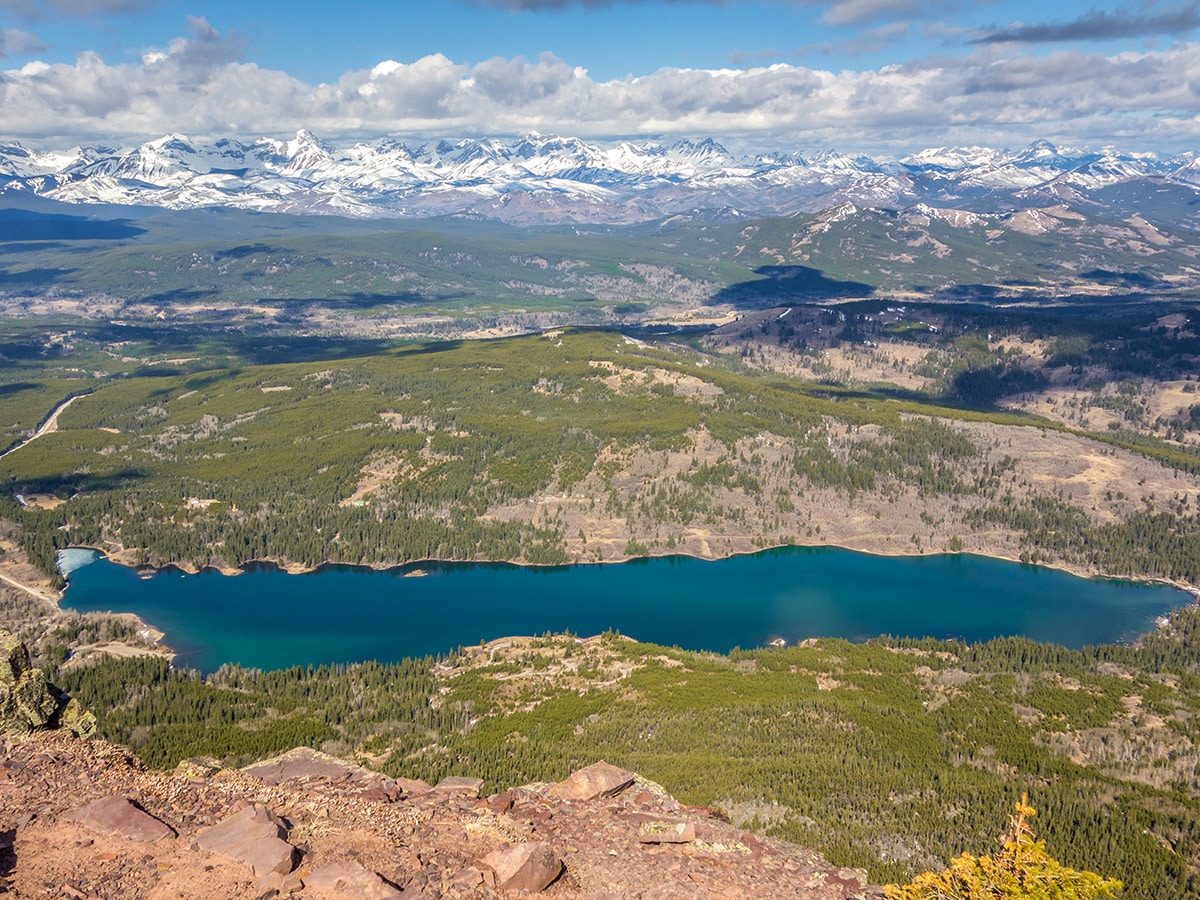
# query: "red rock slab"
{"type": "Point", "coordinates": [525, 867]}
{"type": "Point", "coordinates": [350, 880]}
{"type": "Point", "coordinates": [500, 803]}
{"type": "Point", "coordinates": [116, 815]}
{"type": "Point", "coordinates": [303, 764]}
{"type": "Point", "coordinates": [457, 784]}
{"type": "Point", "coordinates": [413, 786]}
{"type": "Point", "coordinates": [247, 824]}
{"type": "Point", "coordinates": [265, 855]}
{"type": "Point", "coordinates": [254, 837]}
{"type": "Point", "coordinates": [597, 780]}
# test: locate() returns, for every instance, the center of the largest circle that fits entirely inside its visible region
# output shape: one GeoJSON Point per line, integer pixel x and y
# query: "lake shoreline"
{"type": "Point", "coordinates": [149, 571]}
{"type": "Point", "coordinates": [291, 568]}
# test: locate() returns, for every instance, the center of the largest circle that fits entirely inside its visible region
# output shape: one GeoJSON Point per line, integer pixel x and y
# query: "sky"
{"type": "Point", "coordinates": [871, 76]}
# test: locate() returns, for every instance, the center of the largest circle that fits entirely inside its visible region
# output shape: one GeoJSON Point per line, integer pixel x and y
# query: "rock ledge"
{"type": "Point", "coordinates": [88, 818]}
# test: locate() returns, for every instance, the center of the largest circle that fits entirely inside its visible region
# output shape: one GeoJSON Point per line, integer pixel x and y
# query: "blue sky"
{"type": "Point", "coordinates": [857, 74]}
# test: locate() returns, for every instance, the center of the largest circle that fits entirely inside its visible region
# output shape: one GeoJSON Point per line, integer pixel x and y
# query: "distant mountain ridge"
{"type": "Point", "coordinates": [544, 179]}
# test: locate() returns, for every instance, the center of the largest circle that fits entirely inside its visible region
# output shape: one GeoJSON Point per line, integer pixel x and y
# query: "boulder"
{"type": "Point", "coordinates": [412, 786]}
{"type": "Point", "coordinates": [254, 837]}
{"type": "Point", "coordinates": [597, 780]}
{"type": "Point", "coordinates": [456, 784]}
{"type": "Point", "coordinates": [500, 803]}
{"type": "Point", "coordinates": [265, 855]}
{"type": "Point", "coordinates": [304, 764]}
{"type": "Point", "coordinates": [249, 823]}
{"type": "Point", "coordinates": [349, 879]}
{"type": "Point", "coordinates": [469, 879]}
{"type": "Point", "coordinates": [118, 816]}
{"type": "Point", "coordinates": [526, 867]}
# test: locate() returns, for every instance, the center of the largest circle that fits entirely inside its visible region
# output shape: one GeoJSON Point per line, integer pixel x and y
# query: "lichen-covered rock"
{"type": "Point", "coordinates": [14, 659]}
{"type": "Point", "coordinates": [77, 720]}
{"type": "Point", "coordinates": [28, 701]}
{"type": "Point", "coordinates": [34, 699]}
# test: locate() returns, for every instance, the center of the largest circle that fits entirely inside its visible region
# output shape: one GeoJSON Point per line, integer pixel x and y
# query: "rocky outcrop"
{"type": "Point", "coordinates": [459, 784]}
{"type": "Point", "coordinates": [525, 867]}
{"type": "Point", "coordinates": [71, 817]}
{"type": "Point", "coordinates": [667, 832]}
{"type": "Point", "coordinates": [254, 836]}
{"type": "Point", "coordinates": [118, 816]}
{"type": "Point", "coordinates": [28, 702]}
{"type": "Point", "coordinates": [597, 780]}
{"type": "Point", "coordinates": [351, 880]}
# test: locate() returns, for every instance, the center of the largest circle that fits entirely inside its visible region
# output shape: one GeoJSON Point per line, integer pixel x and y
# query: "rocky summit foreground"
{"type": "Point", "coordinates": [86, 819]}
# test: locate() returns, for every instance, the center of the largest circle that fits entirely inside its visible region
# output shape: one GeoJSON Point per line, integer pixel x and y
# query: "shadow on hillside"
{"type": "Point", "coordinates": [781, 285]}
{"type": "Point", "coordinates": [1133, 280]}
{"type": "Point", "coordinates": [972, 293]}
{"type": "Point", "coordinates": [179, 295]}
{"type": "Point", "coordinates": [364, 300]}
{"type": "Point", "coordinates": [216, 342]}
{"type": "Point", "coordinates": [32, 277]}
{"type": "Point", "coordinates": [23, 225]}
{"type": "Point", "coordinates": [367, 300]}
{"type": "Point", "coordinates": [964, 394]}
{"type": "Point", "coordinates": [26, 246]}
{"type": "Point", "coordinates": [75, 483]}
{"type": "Point", "coordinates": [837, 392]}
{"type": "Point", "coordinates": [307, 348]}
{"type": "Point", "coordinates": [17, 352]}
{"type": "Point", "coordinates": [245, 250]}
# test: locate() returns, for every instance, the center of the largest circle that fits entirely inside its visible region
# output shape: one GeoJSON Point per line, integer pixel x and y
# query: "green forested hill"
{"type": "Point", "coordinates": [570, 445]}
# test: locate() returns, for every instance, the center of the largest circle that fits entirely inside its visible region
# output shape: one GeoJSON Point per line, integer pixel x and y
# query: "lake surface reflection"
{"type": "Point", "coordinates": [271, 620]}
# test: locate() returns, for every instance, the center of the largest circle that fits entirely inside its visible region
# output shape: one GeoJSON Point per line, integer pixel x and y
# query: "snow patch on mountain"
{"type": "Point", "coordinates": [549, 178]}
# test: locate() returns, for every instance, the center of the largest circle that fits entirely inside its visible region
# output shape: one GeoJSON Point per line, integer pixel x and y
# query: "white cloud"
{"type": "Point", "coordinates": [998, 95]}
{"type": "Point", "coordinates": [1122, 23]}
{"type": "Point", "coordinates": [36, 10]}
{"type": "Point", "coordinates": [14, 42]}
{"type": "Point", "coordinates": [858, 12]}
{"type": "Point", "coordinates": [837, 12]}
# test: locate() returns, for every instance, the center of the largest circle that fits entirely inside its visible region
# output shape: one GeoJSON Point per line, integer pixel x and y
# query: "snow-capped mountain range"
{"type": "Point", "coordinates": [542, 178]}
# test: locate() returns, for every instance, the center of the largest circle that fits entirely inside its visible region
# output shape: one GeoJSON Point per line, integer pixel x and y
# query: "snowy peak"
{"type": "Point", "coordinates": [954, 158]}
{"type": "Point", "coordinates": [1039, 153]}
{"type": "Point", "coordinates": [924, 214]}
{"type": "Point", "coordinates": [557, 178]}
{"type": "Point", "coordinates": [707, 154]}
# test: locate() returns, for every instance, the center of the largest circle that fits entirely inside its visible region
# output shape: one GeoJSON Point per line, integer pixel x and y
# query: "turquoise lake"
{"type": "Point", "coordinates": [272, 620]}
